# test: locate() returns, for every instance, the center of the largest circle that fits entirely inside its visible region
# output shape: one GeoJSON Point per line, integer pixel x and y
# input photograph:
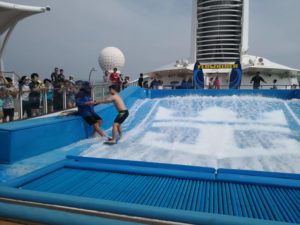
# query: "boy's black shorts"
{"type": "Point", "coordinates": [121, 117]}
{"type": "Point", "coordinates": [92, 120]}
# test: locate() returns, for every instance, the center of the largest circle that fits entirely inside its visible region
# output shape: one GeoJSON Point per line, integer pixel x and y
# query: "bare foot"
{"type": "Point", "coordinates": [94, 135]}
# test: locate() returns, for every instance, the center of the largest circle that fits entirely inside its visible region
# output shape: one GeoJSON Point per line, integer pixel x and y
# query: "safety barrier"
{"type": "Point", "coordinates": [63, 101]}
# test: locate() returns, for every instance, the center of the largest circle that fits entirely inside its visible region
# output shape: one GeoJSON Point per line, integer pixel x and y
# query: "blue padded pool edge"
{"type": "Point", "coordinates": [161, 191]}
{"type": "Point", "coordinates": [19, 139]}
{"type": "Point", "coordinates": [29, 214]}
{"type": "Point", "coordinates": [24, 139]}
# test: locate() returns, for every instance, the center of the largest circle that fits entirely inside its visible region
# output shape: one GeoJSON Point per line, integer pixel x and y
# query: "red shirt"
{"type": "Point", "coordinates": [115, 78]}
{"type": "Point", "coordinates": [217, 84]}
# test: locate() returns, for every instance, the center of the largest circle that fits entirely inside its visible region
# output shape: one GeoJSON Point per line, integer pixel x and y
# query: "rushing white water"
{"type": "Point", "coordinates": [253, 133]}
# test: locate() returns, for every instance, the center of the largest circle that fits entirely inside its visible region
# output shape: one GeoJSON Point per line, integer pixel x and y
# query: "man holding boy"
{"type": "Point", "coordinates": [121, 108]}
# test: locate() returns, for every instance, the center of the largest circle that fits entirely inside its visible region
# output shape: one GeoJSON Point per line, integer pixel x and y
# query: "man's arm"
{"type": "Point", "coordinates": [83, 101]}
{"type": "Point", "coordinates": [96, 102]}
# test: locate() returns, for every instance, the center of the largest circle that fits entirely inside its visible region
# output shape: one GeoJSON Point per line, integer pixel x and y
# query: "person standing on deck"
{"type": "Point", "coordinates": [274, 85]}
{"type": "Point", "coordinates": [106, 77]}
{"type": "Point", "coordinates": [211, 83]}
{"type": "Point", "coordinates": [2, 84]}
{"type": "Point", "coordinates": [141, 81]}
{"type": "Point", "coordinates": [36, 87]}
{"type": "Point", "coordinates": [10, 93]}
{"type": "Point", "coordinates": [115, 79]}
{"type": "Point", "coordinates": [154, 84]}
{"type": "Point", "coordinates": [122, 112]}
{"type": "Point", "coordinates": [217, 83]}
{"type": "Point", "coordinates": [256, 81]}
{"type": "Point", "coordinates": [24, 90]}
{"type": "Point", "coordinates": [54, 75]}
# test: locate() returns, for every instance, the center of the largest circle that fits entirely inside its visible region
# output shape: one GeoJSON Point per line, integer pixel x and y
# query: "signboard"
{"type": "Point", "coordinates": [218, 66]}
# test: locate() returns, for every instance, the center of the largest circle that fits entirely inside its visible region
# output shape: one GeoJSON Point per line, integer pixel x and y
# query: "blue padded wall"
{"type": "Point", "coordinates": [24, 139]}
{"type": "Point", "coordinates": [281, 94]}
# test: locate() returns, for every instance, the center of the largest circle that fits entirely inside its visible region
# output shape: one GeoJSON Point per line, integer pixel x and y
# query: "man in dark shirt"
{"type": "Point", "coordinates": [61, 75]}
{"type": "Point", "coordinates": [85, 106]}
{"type": "Point", "coordinates": [154, 84]}
{"type": "Point", "coordinates": [35, 95]}
{"type": "Point", "coordinates": [58, 86]}
{"type": "Point", "coordinates": [141, 80]}
{"type": "Point", "coordinates": [54, 75]}
{"type": "Point", "coordinates": [256, 81]}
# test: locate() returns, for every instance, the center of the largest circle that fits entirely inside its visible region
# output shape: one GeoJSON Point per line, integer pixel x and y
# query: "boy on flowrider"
{"type": "Point", "coordinates": [122, 113]}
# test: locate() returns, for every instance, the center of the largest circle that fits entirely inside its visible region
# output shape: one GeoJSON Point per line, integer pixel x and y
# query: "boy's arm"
{"type": "Point", "coordinates": [104, 101]}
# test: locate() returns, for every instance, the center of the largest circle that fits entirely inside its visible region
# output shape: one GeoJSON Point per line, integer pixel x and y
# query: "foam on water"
{"type": "Point", "coordinates": [226, 132]}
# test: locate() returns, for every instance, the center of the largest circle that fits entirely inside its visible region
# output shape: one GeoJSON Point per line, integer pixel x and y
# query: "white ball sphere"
{"type": "Point", "coordinates": [111, 58]}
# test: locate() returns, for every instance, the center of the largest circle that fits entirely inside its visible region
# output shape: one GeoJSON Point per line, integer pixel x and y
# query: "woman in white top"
{"type": "Point", "coordinates": [25, 91]}
{"type": "Point", "coordinates": [211, 83]}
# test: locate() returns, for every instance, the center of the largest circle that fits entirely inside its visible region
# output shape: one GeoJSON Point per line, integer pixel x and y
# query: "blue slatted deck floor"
{"type": "Point", "coordinates": [253, 201]}
{"type": "Point", "coordinates": [233, 198]}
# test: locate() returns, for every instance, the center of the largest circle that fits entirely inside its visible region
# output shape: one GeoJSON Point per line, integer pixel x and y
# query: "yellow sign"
{"type": "Point", "coordinates": [218, 66]}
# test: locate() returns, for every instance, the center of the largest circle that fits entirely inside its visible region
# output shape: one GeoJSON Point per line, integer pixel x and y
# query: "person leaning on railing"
{"type": "Point", "coordinates": [71, 92]}
{"type": "Point", "coordinates": [1, 103]}
{"type": "Point", "coordinates": [58, 94]}
{"type": "Point", "coordinates": [24, 90]}
{"type": "Point", "coordinates": [9, 94]}
{"type": "Point", "coordinates": [125, 83]}
{"type": "Point", "coordinates": [36, 87]}
{"type": "Point", "coordinates": [49, 93]}
{"type": "Point", "coordinates": [115, 79]}
{"type": "Point", "coordinates": [1, 106]}
{"type": "Point", "coordinates": [1, 96]}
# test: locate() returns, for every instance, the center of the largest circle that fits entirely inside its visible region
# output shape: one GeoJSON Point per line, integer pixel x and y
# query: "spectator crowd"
{"type": "Point", "coordinates": [50, 95]}
{"type": "Point", "coordinates": [59, 93]}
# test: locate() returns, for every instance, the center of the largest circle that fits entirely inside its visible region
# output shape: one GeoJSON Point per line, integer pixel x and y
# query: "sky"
{"type": "Point", "coordinates": [151, 33]}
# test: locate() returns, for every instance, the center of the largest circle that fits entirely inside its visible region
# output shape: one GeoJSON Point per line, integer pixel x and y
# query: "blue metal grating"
{"type": "Point", "coordinates": [275, 203]}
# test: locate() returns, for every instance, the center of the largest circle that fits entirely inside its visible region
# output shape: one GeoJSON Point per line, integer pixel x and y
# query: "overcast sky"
{"type": "Point", "coordinates": [151, 33]}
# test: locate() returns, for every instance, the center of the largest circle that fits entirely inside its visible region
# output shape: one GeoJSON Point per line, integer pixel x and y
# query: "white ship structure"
{"type": "Point", "coordinates": [220, 38]}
